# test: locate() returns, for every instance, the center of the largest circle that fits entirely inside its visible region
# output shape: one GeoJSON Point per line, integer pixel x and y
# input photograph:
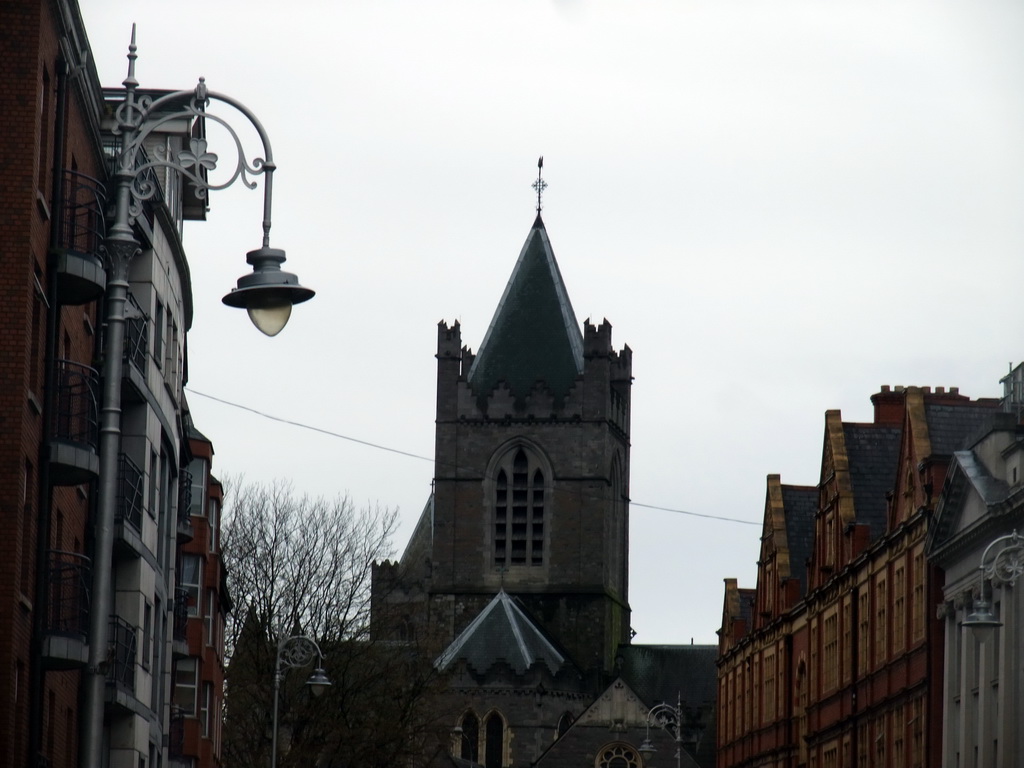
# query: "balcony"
{"type": "Point", "coordinates": [121, 670]}
{"type": "Point", "coordinates": [136, 352]}
{"type": "Point", "coordinates": [128, 512]}
{"type": "Point", "coordinates": [74, 431]}
{"type": "Point", "coordinates": [185, 533]}
{"type": "Point", "coordinates": [80, 274]}
{"type": "Point", "coordinates": [176, 737]}
{"type": "Point", "coordinates": [65, 638]}
{"type": "Point", "coordinates": [179, 645]}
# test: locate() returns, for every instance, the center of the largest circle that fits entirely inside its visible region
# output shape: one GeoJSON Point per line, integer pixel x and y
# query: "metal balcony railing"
{"type": "Point", "coordinates": [123, 640]}
{"type": "Point", "coordinates": [184, 494]}
{"type": "Point", "coordinates": [176, 738]}
{"type": "Point", "coordinates": [129, 494]}
{"type": "Point", "coordinates": [82, 227]}
{"type": "Point", "coordinates": [76, 415]}
{"type": "Point", "coordinates": [148, 180]}
{"type": "Point", "coordinates": [185, 503]}
{"type": "Point", "coordinates": [136, 335]}
{"type": "Point", "coordinates": [181, 603]}
{"type": "Point", "coordinates": [70, 575]}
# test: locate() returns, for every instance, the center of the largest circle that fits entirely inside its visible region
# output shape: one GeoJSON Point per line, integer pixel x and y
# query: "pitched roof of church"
{"type": "Point", "coordinates": [533, 334]}
{"type": "Point", "coordinates": [664, 672]}
{"type": "Point", "coordinates": [501, 632]}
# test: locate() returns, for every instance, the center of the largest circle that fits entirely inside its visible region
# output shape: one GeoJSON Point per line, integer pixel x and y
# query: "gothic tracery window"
{"type": "Point", "coordinates": [617, 756]}
{"type": "Point", "coordinates": [519, 501]}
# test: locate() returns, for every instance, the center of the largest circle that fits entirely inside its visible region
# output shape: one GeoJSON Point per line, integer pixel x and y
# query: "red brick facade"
{"type": "Point", "coordinates": [196, 726]}
{"type": "Point", "coordinates": [50, 126]}
{"type": "Point", "coordinates": [845, 667]}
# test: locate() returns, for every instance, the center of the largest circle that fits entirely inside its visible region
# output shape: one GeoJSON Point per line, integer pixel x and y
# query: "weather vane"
{"type": "Point", "coordinates": [540, 185]}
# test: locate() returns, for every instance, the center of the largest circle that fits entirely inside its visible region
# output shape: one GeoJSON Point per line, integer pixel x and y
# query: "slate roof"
{"type": "Point", "coordinates": [873, 452]}
{"type": "Point", "coordinates": [502, 632]}
{"type": "Point", "coordinates": [748, 596]}
{"type": "Point", "coordinates": [950, 427]}
{"type": "Point", "coordinates": [667, 673]}
{"type": "Point", "coordinates": [660, 673]}
{"type": "Point", "coordinates": [801, 505]}
{"type": "Point", "coordinates": [534, 334]}
{"type": "Point", "coordinates": [417, 551]}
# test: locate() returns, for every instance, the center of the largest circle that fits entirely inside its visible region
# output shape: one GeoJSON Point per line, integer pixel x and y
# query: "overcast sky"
{"type": "Point", "coordinates": [779, 206]}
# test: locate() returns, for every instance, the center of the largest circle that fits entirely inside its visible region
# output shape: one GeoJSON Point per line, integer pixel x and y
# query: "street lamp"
{"type": "Point", "coordinates": [1007, 564]}
{"type": "Point", "coordinates": [296, 651]}
{"type": "Point", "coordinates": [268, 294]}
{"type": "Point", "coordinates": [664, 715]}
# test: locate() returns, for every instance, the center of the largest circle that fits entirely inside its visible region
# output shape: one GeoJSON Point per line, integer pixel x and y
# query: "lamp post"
{"type": "Point", "coordinates": [1005, 564]}
{"type": "Point", "coordinates": [268, 294]}
{"type": "Point", "coordinates": [296, 651]}
{"type": "Point", "coordinates": [665, 715]}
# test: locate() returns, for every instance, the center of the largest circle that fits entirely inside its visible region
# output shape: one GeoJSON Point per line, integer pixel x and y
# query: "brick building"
{"type": "Point", "coordinates": [56, 153]}
{"type": "Point", "coordinates": [52, 158]}
{"type": "Point", "coordinates": [835, 659]}
{"type": "Point", "coordinates": [201, 604]}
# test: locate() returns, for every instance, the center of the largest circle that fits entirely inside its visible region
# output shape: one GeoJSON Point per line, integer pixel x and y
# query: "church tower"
{"type": "Point", "coordinates": [531, 478]}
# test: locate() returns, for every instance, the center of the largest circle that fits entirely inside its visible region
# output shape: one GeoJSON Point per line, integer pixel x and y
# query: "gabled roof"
{"type": "Point", "coordinates": [534, 334]}
{"type": "Point", "coordinates": [501, 632]}
{"type": "Point", "coordinates": [966, 474]}
{"type": "Point", "coordinates": [618, 718]}
{"type": "Point", "coordinates": [801, 505]}
{"type": "Point", "coordinates": [873, 451]}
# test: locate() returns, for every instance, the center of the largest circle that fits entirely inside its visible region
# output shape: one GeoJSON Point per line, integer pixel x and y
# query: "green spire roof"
{"type": "Point", "coordinates": [534, 334]}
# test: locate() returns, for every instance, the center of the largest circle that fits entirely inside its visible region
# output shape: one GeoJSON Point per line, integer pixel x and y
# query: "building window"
{"type": "Point", "coordinates": [831, 652]}
{"type": "Point", "coordinates": [899, 605]}
{"type": "Point", "coordinates": [564, 722]}
{"type": "Point", "coordinates": [801, 710]}
{"type": "Point", "coordinates": [191, 580]}
{"type": "Point", "coordinates": [519, 500]}
{"type": "Point", "coordinates": [213, 515]}
{"type": "Point", "coordinates": [154, 485]}
{"type": "Point", "coordinates": [210, 617]}
{"type": "Point", "coordinates": [881, 627]}
{"type": "Point", "coordinates": [917, 603]}
{"type": "Point", "coordinates": [186, 681]}
{"type": "Point", "coordinates": [44, 132]}
{"type": "Point", "coordinates": [864, 633]}
{"type": "Point", "coordinates": [158, 334]}
{"type": "Point", "coordinates": [205, 709]}
{"type": "Point", "coordinates": [147, 635]}
{"type": "Point", "coordinates": [197, 505]}
{"type": "Point", "coordinates": [494, 741]}
{"type": "Point", "coordinates": [469, 738]}
{"type": "Point", "coordinates": [617, 756]}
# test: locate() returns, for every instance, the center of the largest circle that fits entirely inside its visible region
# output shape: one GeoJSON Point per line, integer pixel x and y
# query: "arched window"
{"type": "Point", "coordinates": [563, 723]}
{"type": "Point", "coordinates": [518, 512]}
{"type": "Point", "coordinates": [470, 737]}
{"type": "Point", "coordinates": [494, 741]}
{"type": "Point", "coordinates": [617, 756]}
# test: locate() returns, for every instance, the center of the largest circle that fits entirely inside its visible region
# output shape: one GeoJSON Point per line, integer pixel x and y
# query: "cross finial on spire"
{"type": "Point", "coordinates": [540, 185]}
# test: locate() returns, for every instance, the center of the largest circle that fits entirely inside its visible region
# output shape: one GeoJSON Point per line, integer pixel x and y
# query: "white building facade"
{"type": "Point", "coordinates": [973, 541]}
